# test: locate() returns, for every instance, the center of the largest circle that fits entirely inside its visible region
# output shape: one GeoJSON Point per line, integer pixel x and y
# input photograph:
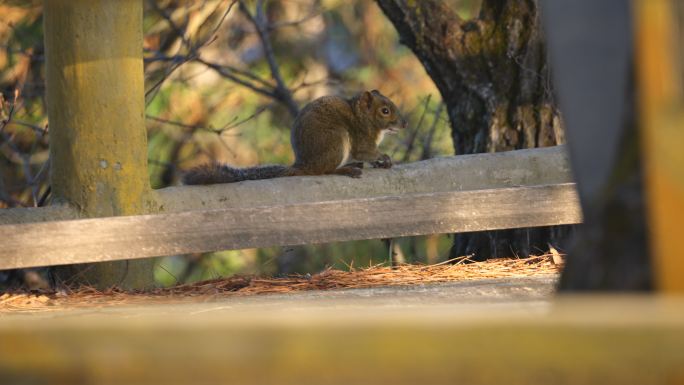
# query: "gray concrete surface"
{"type": "Point", "coordinates": [498, 331]}
{"type": "Point", "coordinates": [539, 166]}
{"type": "Point", "coordinates": [510, 296]}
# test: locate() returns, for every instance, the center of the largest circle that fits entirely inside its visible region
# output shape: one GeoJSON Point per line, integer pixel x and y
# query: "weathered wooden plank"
{"type": "Point", "coordinates": [529, 167]}
{"type": "Point", "coordinates": [115, 238]}
{"type": "Point", "coordinates": [371, 340]}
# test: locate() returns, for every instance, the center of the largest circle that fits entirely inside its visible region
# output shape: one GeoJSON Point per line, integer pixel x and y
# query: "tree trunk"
{"type": "Point", "coordinates": [493, 76]}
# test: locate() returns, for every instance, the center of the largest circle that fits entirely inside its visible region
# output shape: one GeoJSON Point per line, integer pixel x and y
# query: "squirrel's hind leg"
{"type": "Point", "coordinates": [352, 172]}
{"type": "Point", "coordinates": [354, 164]}
{"type": "Point", "coordinates": [294, 171]}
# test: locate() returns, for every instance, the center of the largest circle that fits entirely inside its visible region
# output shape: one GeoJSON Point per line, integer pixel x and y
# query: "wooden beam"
{"type": "Point", "coordinates": [116, 238]}
{"type": "Point", "coordinates": [95, 89]}
{"type": "Point", "coordinates": [293, 341]}
{"type": "Point", "coordinates": [96, 108]}
{"type": "Point", "coordinates": [659, 64]}
{"type": "Point", "coordinates": [530, 167]}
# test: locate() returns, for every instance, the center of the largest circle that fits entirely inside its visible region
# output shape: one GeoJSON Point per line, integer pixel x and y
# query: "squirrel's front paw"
{"type": "Point", "coordinates": [384, 161]}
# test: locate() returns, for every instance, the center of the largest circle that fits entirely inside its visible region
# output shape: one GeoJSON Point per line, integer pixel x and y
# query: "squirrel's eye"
{"type": "Point", "coordinates": [385, 111]}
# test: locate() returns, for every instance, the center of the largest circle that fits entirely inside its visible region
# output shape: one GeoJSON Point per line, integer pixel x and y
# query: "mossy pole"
{"type": "Point", "coordinates": [98, 145]}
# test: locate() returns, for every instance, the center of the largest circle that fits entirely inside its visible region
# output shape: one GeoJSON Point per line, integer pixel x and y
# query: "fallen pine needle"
{"type": "Point", "coordinates": [449, 271]}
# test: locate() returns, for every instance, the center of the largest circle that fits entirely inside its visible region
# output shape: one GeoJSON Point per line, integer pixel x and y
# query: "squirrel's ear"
{"type": "Point", "coordinates": [367, 99]}
{"type": "Point", "coordinates": [376, 92]}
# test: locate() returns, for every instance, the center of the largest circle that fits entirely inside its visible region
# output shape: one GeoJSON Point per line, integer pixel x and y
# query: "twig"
{"type": "Point", "coordinates": [223, 67]}
{"type": "Point", "coordinates": [192, 48]}
{"type": "Point", "coordinates": [228, 126]}
{"type": "Point", "coordinates": [192, 127]}
{"type": "Point", "coordinates": [5, 122]}
{"type": "Point", "coordinates": [221, 70]}
{"type": "Point", "coordinates": [180, 32]}
{"type": "Point", "coordinates": [427, 143]}
{"type": "Point", "coordinates": [410, 141]}
{"type": "Point", "coordinates": [313, 15]}
{"type": "Point", "coordinates": [281, 91]}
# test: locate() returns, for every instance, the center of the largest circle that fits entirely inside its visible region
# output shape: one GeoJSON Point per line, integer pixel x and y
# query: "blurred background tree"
{"type": "Point", "coordinates": [224, 80]}
{"type": "Point", "coordinates": [492, 72]}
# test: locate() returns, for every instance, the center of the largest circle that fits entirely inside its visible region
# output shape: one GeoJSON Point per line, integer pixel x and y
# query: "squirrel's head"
{"type": "Point", "coordinates": [381, 112]}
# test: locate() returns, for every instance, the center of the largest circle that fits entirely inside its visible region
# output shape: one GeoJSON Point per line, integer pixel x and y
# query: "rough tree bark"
{"type": "Point", "coordinates": [493, 76]}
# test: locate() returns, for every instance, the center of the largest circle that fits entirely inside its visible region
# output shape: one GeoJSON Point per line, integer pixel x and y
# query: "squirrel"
{"type": "Point", "coordinates": [331, 135]}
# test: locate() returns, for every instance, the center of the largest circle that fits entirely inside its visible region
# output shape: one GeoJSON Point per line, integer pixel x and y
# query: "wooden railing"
{"type": "Point", "coordinates": [524, 188]}
{"type": "Point", "coordinates": [96, 93]}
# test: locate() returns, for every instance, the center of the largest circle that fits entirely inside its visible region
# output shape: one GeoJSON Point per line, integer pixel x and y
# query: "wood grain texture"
{"type": "Point", "coordinates": [115, 238]}
{"type": "Point", "coordinates": [531, 167]}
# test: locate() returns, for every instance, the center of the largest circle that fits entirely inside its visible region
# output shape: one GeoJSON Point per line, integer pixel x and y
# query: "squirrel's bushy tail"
{"type": "Point", "coordinates": [220, 173]}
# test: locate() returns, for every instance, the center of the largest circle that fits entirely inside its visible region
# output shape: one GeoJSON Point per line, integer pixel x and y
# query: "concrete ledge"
{"type": "Point", "coordinates": [542, 166]}
{"type": "Point", "coordinates": [605, 340]}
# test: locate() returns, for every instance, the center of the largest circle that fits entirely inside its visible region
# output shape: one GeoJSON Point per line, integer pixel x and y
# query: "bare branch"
{"type": "Point", "coordinates": [282, 93]}
{"type": "Point", "coordinates": [410, 142]}
{"type": "Point", "coordinates": [226, 73]}
{"type": "Point", "coordinates": [193, 127]}
{"type": "Point", "coordinates": [240, 122]}
{"type": "Point", "coordinates": [155, 88]}
{"type": "Point", "coordinates": [36, 128]}
{"type": "Point", "coordinates": [283, 24]}
{"type": "Point", "coordinates": [178, 124]}
{"type": "Point", "coordinates": [10, 113]}
{"type": "Point", "coordinates": [278, 91]}
{"type": "Point", "coordinates": [192, 48]}
{"type": "Point", "coordinates": [223, 67]}
{"type": "Point", "coordinates": [222, 19]}
{"type": "Point", "coordinates": [180, 31]}
{"type": "Point", "coordinates": [427, 143]}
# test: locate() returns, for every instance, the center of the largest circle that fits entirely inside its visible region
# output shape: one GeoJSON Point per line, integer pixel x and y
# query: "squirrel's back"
{"type": "Point", "coordinates": [323, 113]}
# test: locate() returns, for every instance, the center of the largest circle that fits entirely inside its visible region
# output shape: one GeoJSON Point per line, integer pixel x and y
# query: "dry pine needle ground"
{"type": "Point", "coordinates": [450, 271]}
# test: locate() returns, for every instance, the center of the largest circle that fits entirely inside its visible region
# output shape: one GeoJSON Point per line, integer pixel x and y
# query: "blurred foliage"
{"type": "Point", "coordinates": [212, 95]}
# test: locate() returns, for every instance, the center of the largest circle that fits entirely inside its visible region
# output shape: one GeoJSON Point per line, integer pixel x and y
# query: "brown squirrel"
{"type": "Point", "coordinates": [331, 135]}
